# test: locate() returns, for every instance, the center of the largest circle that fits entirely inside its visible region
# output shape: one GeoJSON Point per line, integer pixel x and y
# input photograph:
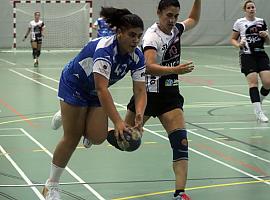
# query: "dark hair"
{"type": "Point", "coordinates": [163, 4]}
{"type": "Point", "coordinates": [121, 18]}
{"type": "Point", "coordinates": [246, 2]}
{"type": "Point", "coordinates": [37, 12]}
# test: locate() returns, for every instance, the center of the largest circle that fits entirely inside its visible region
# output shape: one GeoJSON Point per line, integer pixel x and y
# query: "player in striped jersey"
{"type": "Point", "coordinates": [162, 50]}
{"type": "Point", "coordinates": [249, 35]}
{"type": "Point", "coordinates": [36, 29]}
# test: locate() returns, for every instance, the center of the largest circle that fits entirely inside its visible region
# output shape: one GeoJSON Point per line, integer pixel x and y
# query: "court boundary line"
{"type": "Point", "coordinates": [88, 187]}
{"type": "Point", "coordinates": [20, 171]}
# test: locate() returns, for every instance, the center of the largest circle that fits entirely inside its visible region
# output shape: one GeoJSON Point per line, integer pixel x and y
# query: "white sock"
{"type": "Point", "coordinates": [55, 173]}
{"type": "Point", "coordinates": [262, 97]}
{"type": "Point", "coordinates": [257, 107]}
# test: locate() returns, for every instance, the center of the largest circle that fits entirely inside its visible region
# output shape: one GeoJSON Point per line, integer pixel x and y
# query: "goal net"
{"type": "Point", "coordinates": [67, 23]}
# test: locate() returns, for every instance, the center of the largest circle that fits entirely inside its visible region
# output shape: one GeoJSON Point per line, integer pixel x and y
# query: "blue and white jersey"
{"type": "Point", "coordinates": [104, 29]}
{"type": "Point", "coordinates": [102, 56]}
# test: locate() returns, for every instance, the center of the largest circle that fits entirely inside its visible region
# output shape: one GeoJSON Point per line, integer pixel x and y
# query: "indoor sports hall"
{"type": "Point", "coordinates": [229, 150]}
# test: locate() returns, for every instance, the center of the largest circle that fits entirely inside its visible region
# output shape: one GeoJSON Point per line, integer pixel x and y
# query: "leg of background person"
{"type": "Point", "coordinates": [265, 89]}
{"type": "Point", "coordinates": [252, 80]}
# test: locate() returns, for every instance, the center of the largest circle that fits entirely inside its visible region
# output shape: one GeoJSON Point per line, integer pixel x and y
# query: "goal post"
{"type": "Point", "coordinates": [68, 23]}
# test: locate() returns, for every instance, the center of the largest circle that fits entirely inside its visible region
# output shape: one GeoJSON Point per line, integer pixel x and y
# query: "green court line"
{"type": "Point", "coordinates": [193, 188]}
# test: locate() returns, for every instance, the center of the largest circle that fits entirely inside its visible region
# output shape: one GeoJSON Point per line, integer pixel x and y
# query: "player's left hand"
{"type": "Point", "coordinates": [263, 34]}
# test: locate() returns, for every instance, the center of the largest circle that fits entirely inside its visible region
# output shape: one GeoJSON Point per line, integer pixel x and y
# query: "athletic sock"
{"type": "Point", "coordinates": [55, 173]}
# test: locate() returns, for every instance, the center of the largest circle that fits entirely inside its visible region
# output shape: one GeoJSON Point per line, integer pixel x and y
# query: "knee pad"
{"type": "Point", "coordinates": [179, 144]}
{"type": "Point", "coordinates": [132, 143]}
{"type": "Point", "coordinates": [38, 53]}
{"type": "Point", "coordinates": [34, 53]}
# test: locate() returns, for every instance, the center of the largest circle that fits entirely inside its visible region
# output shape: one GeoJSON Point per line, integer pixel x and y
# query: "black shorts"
{"type": "Point", "coordinates": [158, 104]}
{"type": "Point", "coordinates": [38, 41]}
{"type": "Point", "coordinates": [256, 62]}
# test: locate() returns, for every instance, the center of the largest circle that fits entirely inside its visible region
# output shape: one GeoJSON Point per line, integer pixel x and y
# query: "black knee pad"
{"type": "Point", "coordinates": [34, 53]}
{"type": "Point", "coordinates": [38, 53]}
{"type": "Point", "coordinates": [179, 144]}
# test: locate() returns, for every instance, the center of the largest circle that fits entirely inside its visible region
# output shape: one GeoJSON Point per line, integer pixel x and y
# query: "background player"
{"type": "Point", "coordinates": [249, 34]}
{"type": "Point", "coordinates": [36, 30]}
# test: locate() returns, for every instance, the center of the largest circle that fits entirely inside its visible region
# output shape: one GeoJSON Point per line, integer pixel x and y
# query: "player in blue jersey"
{"type": "Point", "coordinates": [85, 100]}
{"type": "Point", "coordinates": [249, 35]}
{"type": "Point", "coordinates": [161, 45]}
{"type": "Point", "coordinates": [101, 25]}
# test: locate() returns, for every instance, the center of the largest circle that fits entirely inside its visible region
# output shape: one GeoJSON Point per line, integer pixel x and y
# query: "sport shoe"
{"type": "Point", "coordinates": [86, 142]}
{"type": "Point", "coordinates": [182, 196]}
{"type": "Point", "coordinates": [35, 62]}
{"type": "Point", "coordinates": [51, 191]}
{"type": "Point", "coordinates": [56, 121]}
{"type": "Point", "coordinates": [261, 117]}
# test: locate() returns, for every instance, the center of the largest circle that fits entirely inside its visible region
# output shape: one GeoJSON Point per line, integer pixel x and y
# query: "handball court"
{"type": "Point", "coordinates": [229, 151]}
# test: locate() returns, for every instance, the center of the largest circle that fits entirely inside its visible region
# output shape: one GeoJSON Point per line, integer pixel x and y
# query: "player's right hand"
{"type": "Point", "coordinates": [120, 127]}
{"type": "Point", "coordinates": [184, 68]}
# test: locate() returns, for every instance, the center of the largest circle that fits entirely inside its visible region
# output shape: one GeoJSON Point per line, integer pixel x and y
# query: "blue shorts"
{"type": "Point", "coordinates": [75, 91]}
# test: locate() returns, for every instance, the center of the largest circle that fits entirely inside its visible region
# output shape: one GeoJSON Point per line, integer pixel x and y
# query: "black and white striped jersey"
{"type": "Point", "coordinates": [168, 49]}
{"type": "Point", "coordinates": [249, 31]}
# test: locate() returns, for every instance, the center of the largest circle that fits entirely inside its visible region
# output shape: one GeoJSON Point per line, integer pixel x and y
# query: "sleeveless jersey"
{"type": "Point", "coordinates": [36, 28]}
{"type": "Point", "coordinates": [168, 49]}
{"type": "Point", "coordinates": [249, 30]}
{"type": "Point", "coordinates": [101, 55]}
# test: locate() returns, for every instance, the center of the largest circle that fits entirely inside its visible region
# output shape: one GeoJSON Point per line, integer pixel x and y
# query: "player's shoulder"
{"type": "Point", "coordinates": [259, 19]}
{"type": "Point", "coordinates": [241, 20]}
{"type": "Point", "coordinates": [137, 55]}
{"type": "Point", "coordinates": [106, 43]}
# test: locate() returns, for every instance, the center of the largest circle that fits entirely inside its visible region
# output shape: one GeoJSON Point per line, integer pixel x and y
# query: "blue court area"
{"type": "Point", "coordinates": [229, 151]}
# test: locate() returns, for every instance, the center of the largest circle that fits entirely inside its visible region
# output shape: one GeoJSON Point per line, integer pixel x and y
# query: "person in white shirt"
{"type": "Point", "coordinates": [36, 30]}
{"type": "Point", "coordinates": [249, 35]}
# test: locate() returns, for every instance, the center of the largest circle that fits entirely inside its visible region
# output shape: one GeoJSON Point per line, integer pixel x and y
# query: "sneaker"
{"type": "Point", "coordinates": [182, 196]}
{"type": "Point", "coordinates": [56, 121]}
{"type": "Point", "coordinates": [261, 117]}
{"type": "Point", "coordinates": [35, 63]}
{"type": "Point", "coordinates": [51, 191]}
{"type": "Point", "coordinates": [86, 142]}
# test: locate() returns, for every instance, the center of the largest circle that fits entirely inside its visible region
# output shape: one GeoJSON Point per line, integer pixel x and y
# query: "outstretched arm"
{"type": "Point", "coordinates": [106, 100]}
{"type": "Point", "coordinates": [194, 15]}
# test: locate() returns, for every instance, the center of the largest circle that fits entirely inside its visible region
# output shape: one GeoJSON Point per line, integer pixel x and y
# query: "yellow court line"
{"type": "Point", "coordinates": [21, 120]}
{"type": "Point", "coordinates": [193, 188]}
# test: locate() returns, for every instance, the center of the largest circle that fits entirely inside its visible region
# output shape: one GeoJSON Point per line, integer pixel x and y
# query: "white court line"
{"type": "Point", "coordinates": [8, 129]}
{"type": "Point", "coordinates": [8, 62]}
{"type": "Point", "coordinates": [12, 135]}
{"type": "Point", "coordinates": [66, 168]}
{"type": "Point", "coordinates": [33, 80]}
{"type": "Point", "coordinates": [229, 92]}
{"type": "Point", "coordinates": [27, 180]}
{"type": "Point", "coordinates": [29, 70]}
{"type": "Point", "coordinates": [223, 69]}
{"type": "Point", "coordinates": [229, 146]}
{"type": "Point", "coordinates": [209, 157]}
